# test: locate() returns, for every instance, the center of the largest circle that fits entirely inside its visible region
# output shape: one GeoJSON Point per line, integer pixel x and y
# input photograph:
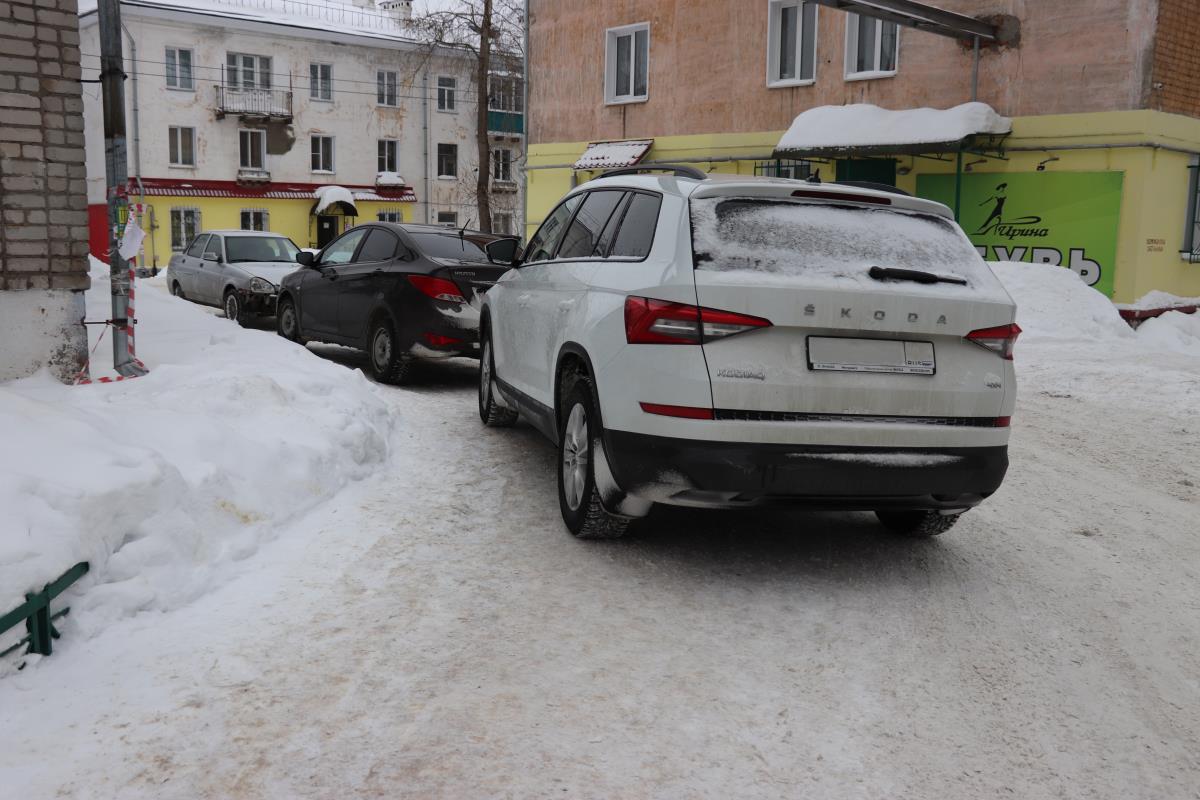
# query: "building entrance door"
{"type": "Point", "coordinates": [327, 229]}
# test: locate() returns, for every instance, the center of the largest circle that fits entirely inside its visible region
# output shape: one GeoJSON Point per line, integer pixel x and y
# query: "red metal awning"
{"type": "Point", "coordinates": [610, 155]}
{"type": "Point", "coordinates": [155, 187]}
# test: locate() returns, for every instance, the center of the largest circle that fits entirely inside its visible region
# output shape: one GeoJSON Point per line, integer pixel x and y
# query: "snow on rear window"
{"type": "Point", "coordinates": [811, 240]}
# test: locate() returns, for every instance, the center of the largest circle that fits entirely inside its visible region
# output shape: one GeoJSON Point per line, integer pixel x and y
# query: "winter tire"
{"type": "Point", "coordinates": [287, 321]}
{"type": "Point", "coordinates": [492, 413]}
{"type": "Point", "coordinates": [388, 365]}
{"type": "Point", "coordinates": [919, 524]}
{"type": "Point", "coordinates": [233, 307]}
{"type": "Point", "coordinates": [578, 441]}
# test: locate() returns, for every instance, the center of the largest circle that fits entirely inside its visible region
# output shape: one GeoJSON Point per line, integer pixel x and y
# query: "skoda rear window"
{"type": "Point", "coordinates": [807, 239]}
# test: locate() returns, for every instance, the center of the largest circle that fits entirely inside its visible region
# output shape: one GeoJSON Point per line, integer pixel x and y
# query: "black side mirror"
{"type": "Point", "coordinates": [304, 258]}
{"type": "Point", "coordinates": [503, 251]}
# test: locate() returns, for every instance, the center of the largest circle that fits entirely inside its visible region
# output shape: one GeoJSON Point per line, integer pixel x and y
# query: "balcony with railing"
{"type": "Point", "coordinates": [273, 105]}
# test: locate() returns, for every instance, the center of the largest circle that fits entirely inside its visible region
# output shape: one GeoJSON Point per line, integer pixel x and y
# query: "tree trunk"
{"type": "Point", "coordinates": [483, 179]}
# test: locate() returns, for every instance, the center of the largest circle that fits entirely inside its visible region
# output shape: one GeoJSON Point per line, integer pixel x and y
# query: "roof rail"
{"type": "Point", "coordinates": [678, 170]}
{"type": "Point", "coordinates": [879, 187]}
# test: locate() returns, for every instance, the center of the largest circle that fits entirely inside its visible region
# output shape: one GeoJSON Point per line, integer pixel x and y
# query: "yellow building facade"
{"type": "Point", "coordinates": [1136, 240]}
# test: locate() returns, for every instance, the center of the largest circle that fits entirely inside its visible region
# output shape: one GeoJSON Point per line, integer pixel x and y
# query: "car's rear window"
{"type": "Point", "coordinates": [448, 245]}
{"type": "Point", "coordinates": [809, 239]}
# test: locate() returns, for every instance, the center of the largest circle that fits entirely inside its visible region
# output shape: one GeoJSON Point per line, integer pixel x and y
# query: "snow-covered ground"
{"type": "Point", "coordinates": [431, 631]}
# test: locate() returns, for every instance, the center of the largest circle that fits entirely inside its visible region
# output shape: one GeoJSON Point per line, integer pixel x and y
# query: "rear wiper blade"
{"type": "Point", "coordinates": [915, 275]}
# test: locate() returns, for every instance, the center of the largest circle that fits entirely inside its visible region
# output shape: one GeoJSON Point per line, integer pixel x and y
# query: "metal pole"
{"type": "Point", "coordinates": [425, 141]}
{"type": "Point", "coordinates": [975, 73]}
{"type": "Point", "coordinates": [116, 173]}
{"type": "Point", "coordinates": [958, 173]}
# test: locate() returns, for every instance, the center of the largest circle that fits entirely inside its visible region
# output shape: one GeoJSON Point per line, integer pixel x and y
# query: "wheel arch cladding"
{"type": "Point", "coordinates": [572, 356]}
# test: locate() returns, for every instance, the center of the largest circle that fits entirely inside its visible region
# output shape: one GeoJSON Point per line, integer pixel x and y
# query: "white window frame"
{"type": "Point", "coordinates": [388, 144]}
{"type": "Point", "coordinates": [446, 176]}
{"type": "Point", "coordinates": [262, 150]}
{"type": "Point", "coordinates": [774, 20]}
{"type": "Point", "coordinates": [175, 138]}
{"type": "Point", "coordinates": [173, 60]}
{"type": "Point", "coordinates": [315, 87]}
{"type": "Point", "coordinates": [453, 222]}
{"type": "Point", "coordinates": [498, 164]}
{"type": "Point", "coordinates": [508, 227]}
{"type": "Point", "coordinates": [262, 72]}
{"type": "Point", "coordinates": [505, 93]}
{"type": "Point", "coordinates": [610, 64]}
{"type": "Point", "coordinates": [852, 50]}
{"type": "Point", "coordinates": [313, 137]}
{"type": "Point", "coordinates": [185, 240]}
{"type": "Point", "coordinates": [383, 74]}
{"type": "Point", "coordinates": [447, 96]}
{"type": "Point", "coordinates": [266, 219]}
{"type": "Point", "coordinates": [390, 215]}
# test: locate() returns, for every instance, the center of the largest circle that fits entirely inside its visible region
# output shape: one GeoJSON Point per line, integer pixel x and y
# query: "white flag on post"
{"type": "Point", "coordinates": [131, 241]}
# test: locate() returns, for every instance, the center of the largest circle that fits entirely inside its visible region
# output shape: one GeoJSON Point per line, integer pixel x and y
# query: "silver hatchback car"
{"type": "Point", "coordinates": [236, 271]}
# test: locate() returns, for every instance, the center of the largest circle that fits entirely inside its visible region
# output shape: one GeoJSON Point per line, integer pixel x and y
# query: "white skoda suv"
{"type": "Point", "coordinates": [727, 341]}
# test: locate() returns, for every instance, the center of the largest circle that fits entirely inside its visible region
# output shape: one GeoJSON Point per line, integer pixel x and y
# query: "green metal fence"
{"type": "Point", "coordinates": [35, 611]}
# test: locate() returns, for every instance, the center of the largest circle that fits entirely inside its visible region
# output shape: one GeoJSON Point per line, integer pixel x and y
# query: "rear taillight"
{"type": "Point", "coordinates": [649, 321]}
{"type": "Point", "coordinates": [684, 412]}
{"type": "Point", "coordinates": [1003, 422]}
{"type": "Point", "coordinates": [999, 340]}
{"type": "Point", "coordinates": [437, 288]}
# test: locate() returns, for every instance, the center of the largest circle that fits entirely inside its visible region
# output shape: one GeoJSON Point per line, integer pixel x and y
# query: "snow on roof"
{"type": "Point", "coordinates": [609, 155]}
{"type": "Point", "coordinates": [840, 128]}
{"type": "Point", "coordinates": [389, 179]}
{"type": "Point", "coordinates": [330, 195]}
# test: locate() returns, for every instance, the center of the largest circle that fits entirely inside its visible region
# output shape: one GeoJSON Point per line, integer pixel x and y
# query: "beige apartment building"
{"type": "Point", "coordinates": [1084, 153]}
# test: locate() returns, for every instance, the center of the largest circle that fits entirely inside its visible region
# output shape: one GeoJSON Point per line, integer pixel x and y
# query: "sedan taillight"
{"type": "Point", "coordinates": [999, 340]}
{"type": "Point", "coordinates": [649, 321]}
{"type": "Point", "coordinates": [437, 288]}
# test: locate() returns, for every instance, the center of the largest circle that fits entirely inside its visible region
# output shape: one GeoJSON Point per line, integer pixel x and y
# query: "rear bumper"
{"type": "Point", "coordinates": [730, 474]}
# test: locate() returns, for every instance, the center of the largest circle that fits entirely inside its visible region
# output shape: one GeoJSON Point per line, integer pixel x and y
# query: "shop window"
{"type": "Point", "coordinates": [446, 87]}
{"type": "Point", "coordinates": [386, 83]}
{"type": "Point", "coordinates": [791, 43]}
{"type": "Point", "coordinates": [627, 64]}
{"type": "Point", "coordinates": [1190, 251]}
{"type": "Point", "coordinates": [322, 154]}
{"type": "Point", "coordinates": [182, 146]}
{"type": "Point", "coordinates": [255, 219]}
{"type": "Point", "coordinates": [872, 47]}
{"type": "Point", "coordinates": [185, 225]}
{"type": "Point", "coordinates": [320, 81]}
{"type": "Point", "coordinates": [179, 69]}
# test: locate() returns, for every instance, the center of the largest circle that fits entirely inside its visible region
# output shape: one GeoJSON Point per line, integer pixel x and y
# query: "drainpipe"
{"type": "Point", "coordinates": [975, 73]}
{"type": "Point", "coordinates": [425, 137]}
{"type": "Point", "coordinates": [525, 119]}
{"type": "Point", "coordinates": [137, 139]}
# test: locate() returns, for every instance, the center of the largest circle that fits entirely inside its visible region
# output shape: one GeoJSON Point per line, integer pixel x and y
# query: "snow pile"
{"type": "Point", "coordinates": [865, 125]}
{"type": "Point", "coordinates": [164, 482]}
{"type": "Point", "coordinates": [1173, 332]}
{"type": "Point", "coordinates": [1054, 304]}
{"type": "Point", "coordinates": [1159, 299]}
{"type": "Point", "coordinates": [389, 179]}
{"type": "Point", "coordinates": [329, 195]}
{"type": "Point", "coordinates": [608, 155]}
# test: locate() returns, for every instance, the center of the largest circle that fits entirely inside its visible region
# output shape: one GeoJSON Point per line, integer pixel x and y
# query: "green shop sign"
{"type": "Point", "coordinates": [1063, 218]}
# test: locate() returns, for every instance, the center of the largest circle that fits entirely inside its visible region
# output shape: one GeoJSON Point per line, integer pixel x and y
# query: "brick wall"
{"type": "Point", "coordinates": [1175, 87]}
{"type": "Point", "coordinates": [43, 201]}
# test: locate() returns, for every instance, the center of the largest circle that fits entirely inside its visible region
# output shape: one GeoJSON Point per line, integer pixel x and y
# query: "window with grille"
{"type": "Point", "coordinates": [390, 216]}
{"type": "Point", "coordinates": [185, 226]}
{"type": "Point", "coordinates": [255, 219]}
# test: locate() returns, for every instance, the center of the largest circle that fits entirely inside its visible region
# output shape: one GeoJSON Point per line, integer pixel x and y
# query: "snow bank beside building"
{"type": "Point", "coordinates": [163, 483]}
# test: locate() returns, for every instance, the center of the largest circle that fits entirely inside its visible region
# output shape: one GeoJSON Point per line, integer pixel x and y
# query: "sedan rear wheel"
{"type": "Point", "coordinates": [288, 321]}
{"type": "Point", "coordinates": [388, 364]}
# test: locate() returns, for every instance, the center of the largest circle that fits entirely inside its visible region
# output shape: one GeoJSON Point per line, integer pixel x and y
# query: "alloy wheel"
{"type": "Point", "coordinates": [485, 372]}
{"type": "Point", "coordinates": [575, 455]}
{"type": "Point", "coordinates": [232, 306]}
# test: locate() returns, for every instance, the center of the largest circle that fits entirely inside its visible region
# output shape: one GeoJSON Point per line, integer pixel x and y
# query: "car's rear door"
{"type": "Point", "coordinates": [841, 343]}
{"type": "Point", "coordinates": [364, 282]}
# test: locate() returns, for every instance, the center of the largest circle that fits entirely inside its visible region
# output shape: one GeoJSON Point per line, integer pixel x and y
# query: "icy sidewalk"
{"type": "Point", "coordinates": [165, 482]}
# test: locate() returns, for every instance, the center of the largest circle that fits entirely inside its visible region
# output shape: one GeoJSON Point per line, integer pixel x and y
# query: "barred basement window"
{"type": "Point", "coordinates": [389, 216]}
{"type": "Point", "coordinates": [185, 225]}
{"type": "Point", "coordinates": [255, 219]}
{"type": "Point", "coordinates": [784, 168]}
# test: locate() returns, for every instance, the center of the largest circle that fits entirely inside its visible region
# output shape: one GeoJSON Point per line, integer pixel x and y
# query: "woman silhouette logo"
{"type": "Point", "coordinates": [1000, 198]}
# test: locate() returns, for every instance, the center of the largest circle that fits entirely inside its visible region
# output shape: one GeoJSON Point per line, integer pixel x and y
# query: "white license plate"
{"type": "Point", "coordinates": [870, 355]}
